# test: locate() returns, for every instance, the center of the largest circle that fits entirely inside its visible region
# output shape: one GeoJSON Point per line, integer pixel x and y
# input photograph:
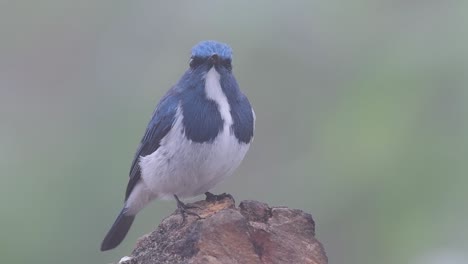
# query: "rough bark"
{"type": "Point", "coordinates": [250, 233]}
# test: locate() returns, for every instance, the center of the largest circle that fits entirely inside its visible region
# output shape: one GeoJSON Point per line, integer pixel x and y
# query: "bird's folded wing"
{"type": "Point", "coordinates": [160, 124]}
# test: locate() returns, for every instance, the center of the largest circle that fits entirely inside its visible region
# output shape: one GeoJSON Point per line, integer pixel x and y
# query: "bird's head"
{"type": "Point", "coordinates": [211, 53]}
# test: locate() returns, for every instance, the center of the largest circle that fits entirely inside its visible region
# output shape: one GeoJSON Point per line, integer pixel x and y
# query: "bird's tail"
{"type": "Point", "coordinates": [118, 230]}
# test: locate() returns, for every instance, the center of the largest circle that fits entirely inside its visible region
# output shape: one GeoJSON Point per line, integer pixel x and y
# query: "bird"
{"type": "Point", "coordinates": [199, 133]}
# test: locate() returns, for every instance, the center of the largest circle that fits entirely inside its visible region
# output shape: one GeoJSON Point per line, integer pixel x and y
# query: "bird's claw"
{"type": "Point", "coordinates": [184, 209]}
{"type": "Point", "coordinates": [216, 197]}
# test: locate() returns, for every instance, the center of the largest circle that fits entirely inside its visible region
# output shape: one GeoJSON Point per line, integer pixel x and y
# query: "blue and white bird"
{"type": "Point", "coordinates": [198, 135]}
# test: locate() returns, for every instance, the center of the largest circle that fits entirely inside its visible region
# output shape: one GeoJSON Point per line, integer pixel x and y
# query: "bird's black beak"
{"type": "Point", "coordinates": [214, 59]}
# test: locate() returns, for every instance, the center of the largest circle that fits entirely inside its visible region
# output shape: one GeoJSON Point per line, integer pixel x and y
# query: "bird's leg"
{"type": "Point", "coordinates": [184, 209]}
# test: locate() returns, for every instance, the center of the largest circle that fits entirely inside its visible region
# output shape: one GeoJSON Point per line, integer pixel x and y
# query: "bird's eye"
{"type": "Point", "coordinates": [194, 62]}
{"type": "Point", "coordinates": [227, 64]}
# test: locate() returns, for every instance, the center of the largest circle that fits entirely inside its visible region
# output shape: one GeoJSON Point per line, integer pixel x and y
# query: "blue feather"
{"type": "Point", "coordinates": [207, 48]}
{"type": "Point", "coordinates": [241, 110]}
{"type": "Point", "coordinates": [158, 127]}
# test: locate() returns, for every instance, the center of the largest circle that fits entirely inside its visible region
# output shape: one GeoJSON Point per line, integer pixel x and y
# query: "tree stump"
{"type": "Point", "coordinates": [251, 233]}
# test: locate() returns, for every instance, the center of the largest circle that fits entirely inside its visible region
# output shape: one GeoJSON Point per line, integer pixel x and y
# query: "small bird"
{"type": "Point", "coordinates": [198, 135]}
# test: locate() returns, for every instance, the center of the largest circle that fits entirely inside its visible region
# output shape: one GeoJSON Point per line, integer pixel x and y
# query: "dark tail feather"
{"type": "Point", "coordinates": [118, 231]}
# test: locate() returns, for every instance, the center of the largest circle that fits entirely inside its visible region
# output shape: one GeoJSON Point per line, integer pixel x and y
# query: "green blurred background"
{"type": "Point", "coordinates": [361, 119]}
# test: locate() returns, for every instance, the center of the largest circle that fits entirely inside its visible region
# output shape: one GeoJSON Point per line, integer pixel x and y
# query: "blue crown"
{"type": "Point", "coordinates": [210, 47]}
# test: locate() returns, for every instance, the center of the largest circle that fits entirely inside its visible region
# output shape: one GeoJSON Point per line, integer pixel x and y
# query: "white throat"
{"type": "Point", "coordinates": [214, 92]}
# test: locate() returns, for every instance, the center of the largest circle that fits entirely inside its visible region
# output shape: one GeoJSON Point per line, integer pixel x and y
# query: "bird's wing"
{"type": "Point", "coordinates": [160, 124]}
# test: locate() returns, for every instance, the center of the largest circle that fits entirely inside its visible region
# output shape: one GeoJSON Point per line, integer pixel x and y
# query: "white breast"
{"type": "Point", "coordinates": [214, 92]}
{"type": "Point", "coordinates": [186, 168]}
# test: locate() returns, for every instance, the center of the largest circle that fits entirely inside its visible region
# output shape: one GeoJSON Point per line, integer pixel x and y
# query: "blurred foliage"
{"type": "Point", "coordinates": [361, 119]}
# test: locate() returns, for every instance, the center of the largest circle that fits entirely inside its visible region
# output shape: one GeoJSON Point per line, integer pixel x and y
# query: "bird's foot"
{"type": "Point", "coordinates": [216, 197]}
{"type": "Point", "coordinates": [184, 209]}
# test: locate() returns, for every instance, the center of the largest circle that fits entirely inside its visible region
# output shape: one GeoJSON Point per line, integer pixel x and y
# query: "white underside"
{"type": "Point", "coordinates": [186, 168]}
